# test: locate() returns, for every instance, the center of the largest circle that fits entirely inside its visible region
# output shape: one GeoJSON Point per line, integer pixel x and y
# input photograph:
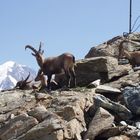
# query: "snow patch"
{"type": "Point", "coordinates": [11, 73]}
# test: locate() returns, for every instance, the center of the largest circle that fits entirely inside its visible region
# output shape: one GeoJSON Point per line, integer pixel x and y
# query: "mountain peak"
{"type": "Point", "coordinates": [16, 72]}
{"type": "Point", "coordinates": [8, 64]}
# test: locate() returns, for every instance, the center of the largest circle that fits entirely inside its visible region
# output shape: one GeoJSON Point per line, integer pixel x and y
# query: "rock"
{"type": "Point", "coordinates": [127, 125]}
{"type": "Point", "coordinates": [107, 89]}
{"type": "Point", "coordinates": [73, 130]}
{"type": "Point", "coordinates": [110, 48]}
{"type": "Point", "coordinates": [132, 79]}
{"type": "Point", "coordinates": [94, 84]}
{"type": "Point", "coordinates": [12, 116]}
{"type": "Point", "coordinates": [112, 131]}
{"type": "Point", "coordinates": [128, 83]}
{"type": "Point", "coordinates": [136, 68]}
{"type": "Point", "coordinates": [132, 99]}
{"type": "Point", "coordinates": [101, 50]}
{"type": "Point", "coordinates": [89, 70]}
{"type": "Point", "coordinates": [123, 61]}
{"type": "Point", "coordinates": [77, 113]}
{"type": "Point", "coordinates": [132, 131]}
{"type": "Point", "coordinates": [11, 100]}
{"type": "Point", "coordinates": [41, 96]}
{"type": "Point", "coordinates": [17, 126]}
{"type": "Point", "coordinates": [109, 92]}
{"type": "Point", "coordinates": [121, 111]}
{"type": "Point", "coordinates": [102, 120]}
{"type": "Point", "coordinates": [121, 137]}
{"type": "Point", "coordinates": [39, 112]}
{"type": "Point", "coordinates": [57, 118]}
{"type": "Point", "coordinates": [3, 117]}
{"type": "Point", "coordinates": [70, 112]}
{"type": "Point", "coordinates": [49, 129]}
{"type": "Point", "coordinates": [138, 125]}
{"type": "Point", "coordinates": [123, 123]}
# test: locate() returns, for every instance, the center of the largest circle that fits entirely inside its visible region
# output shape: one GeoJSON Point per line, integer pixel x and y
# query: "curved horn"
{"type": "Point", "coordinates": [40, 45]}
{"type": "Point", "coordinates": [27, 77]}
{"type": "Point", "coordinates": [30, 47]}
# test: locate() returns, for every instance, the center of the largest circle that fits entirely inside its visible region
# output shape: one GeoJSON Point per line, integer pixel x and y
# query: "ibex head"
{"type": "Point", "coordinates": [37, 54]}
{"type": "Point", "coordinates": [23, 83]}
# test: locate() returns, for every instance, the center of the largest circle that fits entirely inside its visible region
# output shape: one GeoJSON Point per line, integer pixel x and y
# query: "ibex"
{"type": "Point", "coordinates": [55, 65]}
{"type": "Point", "coordinates": [23, 84]}
{"type": "Point", "coordinates": [133, 57]}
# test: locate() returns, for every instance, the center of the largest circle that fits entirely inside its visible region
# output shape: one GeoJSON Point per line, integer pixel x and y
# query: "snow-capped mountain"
{"type": "Point", "coordinates": [11, 72]}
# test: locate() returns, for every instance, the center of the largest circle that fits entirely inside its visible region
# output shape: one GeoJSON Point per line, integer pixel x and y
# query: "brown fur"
{"type": "Point", "coordinates": [133, 57]}
{"type": "Point", "coordinates": [23, 84]}
{"type": "Point", "coordinates": [55, 65]}
{"type": "Point", "coordinates": [41, 77]}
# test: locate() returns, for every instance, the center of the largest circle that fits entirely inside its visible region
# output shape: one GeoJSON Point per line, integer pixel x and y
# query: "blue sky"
{"type": "Point", "coordinates": [62, 25]}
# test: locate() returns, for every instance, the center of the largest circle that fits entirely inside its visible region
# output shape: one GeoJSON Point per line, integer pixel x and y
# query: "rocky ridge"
{"type": "Point", "coordinates": [104, 106]}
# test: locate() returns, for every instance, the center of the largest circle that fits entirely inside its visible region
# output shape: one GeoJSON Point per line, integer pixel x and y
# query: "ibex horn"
{"type": "Point", "coordinates": [30, 47]}
{"type": "Point", "coordinates": [27, 77]}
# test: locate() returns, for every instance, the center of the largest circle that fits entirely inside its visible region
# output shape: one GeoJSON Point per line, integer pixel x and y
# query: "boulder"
{"type": "Point", "coordinates": [121, 137]}
{"type": "Point", "coordinates": [112, 131]}
{"type": "Point", "coordinates": [89, 70]}
{"type": "Point", "coordinates": [39, 112]}
{"type": "Point", "coordinates": [4, 117]}
{"type": "Point", "coordinates": [94, 84]}
{"type": "Point", "coordinates": [73, 130]}
{"type": "Point", "coordinates": [101, 121]}
{"type": "Point", "coordinates": [132, 79]}
{"type": "Point", "coordinates": [49, 129]}
{"type": "Point", "coordinates": [58, 116]}
{"type": "Point", "coordinates": [132, 98]}
{"type": "Point", "coordinates": [110, 48]}
{"type": "Point", "coordinates": [11, 100]}
{"type": "Point", "coordinates": [17, 126]}
{"type": "Point", "coordinates": [107, 89]}
{"type": "Point", "coordinates": [109, 92]}
{"type": "Point", "coordinates": [117, 109]}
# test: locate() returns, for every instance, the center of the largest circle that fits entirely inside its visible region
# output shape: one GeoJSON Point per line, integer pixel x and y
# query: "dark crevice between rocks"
{"type": "Point", "coordinates": [115, 78]}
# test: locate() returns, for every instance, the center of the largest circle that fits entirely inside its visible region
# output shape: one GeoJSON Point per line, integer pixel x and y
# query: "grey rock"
{"type": "Point", "coordinates": [11, 100]}
{"type": "Point", "coordinates": [117, 108]}
{"type": "Point", "coordinates": [110, 48]}
{"type": "Point", "coordinates": [138, 125]}
{"type": "Point", "coordinates": [121, 137]}
{"type": "Point", "coordinates": [107, 89]}
{"type": "Point", "coordinates": [112, 131]}
{"type": "Point", "coordinates": [102, 120]}
{"type": "Point", "coordinates": [17, 126]}
{"type": "Point", "coordinates": [49, 129]}
{"type": "Point", "coordinates": [94, 84]}
{"type": "Point", "coordinates": [39, 112]}
{"type": "Point", "coordinates": [132, 79]}
{"type": "Point", "coordinates": [132, 99]}
{"type": "Point", "coordinates": [91, 69]}
{"type": "Point", "coordinates": [73, 130]}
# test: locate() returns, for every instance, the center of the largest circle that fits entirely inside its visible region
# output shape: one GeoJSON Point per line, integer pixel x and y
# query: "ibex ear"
{"type": "Point", "coordinates": [42, 52]}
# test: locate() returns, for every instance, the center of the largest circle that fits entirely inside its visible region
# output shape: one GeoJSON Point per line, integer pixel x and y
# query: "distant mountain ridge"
{"type": "Point", "coordinates": [11, 72]}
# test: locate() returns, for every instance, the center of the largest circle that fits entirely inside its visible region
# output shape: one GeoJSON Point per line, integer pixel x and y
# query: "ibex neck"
{"type": "Point", "coordinates": [41, 61]}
